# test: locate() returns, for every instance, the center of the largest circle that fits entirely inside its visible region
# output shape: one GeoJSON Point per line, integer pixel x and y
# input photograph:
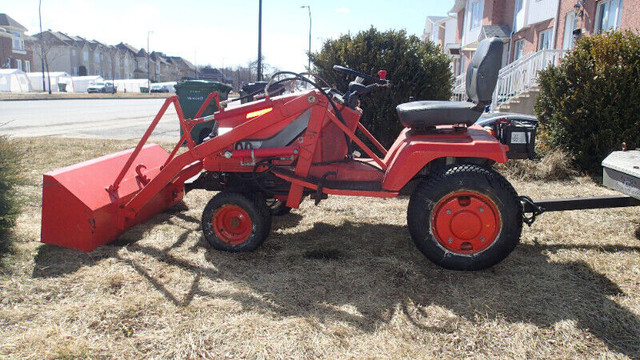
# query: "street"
{"type": "Point", "coordinates": [123, 119]}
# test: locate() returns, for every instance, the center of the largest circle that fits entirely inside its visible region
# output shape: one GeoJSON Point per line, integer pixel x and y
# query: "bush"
{"type": "Point", "coordinates": [9, 177]}
{"type": "Point", "coordinates": [416, 69]}
{"type": "Point", "coordinates": [590, 104]}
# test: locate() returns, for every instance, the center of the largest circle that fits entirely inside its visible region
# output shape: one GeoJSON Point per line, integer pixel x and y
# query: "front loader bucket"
{"type": "Point", "coordinates": [79, 212]}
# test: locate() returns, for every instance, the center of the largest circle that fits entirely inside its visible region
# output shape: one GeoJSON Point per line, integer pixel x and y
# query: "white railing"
{"type": "Point", "coordinates": [522, 74]}
{"type": "Point", "coordinates": [514, 78]}
{"type": "Point", "coordinates": [459, 89]}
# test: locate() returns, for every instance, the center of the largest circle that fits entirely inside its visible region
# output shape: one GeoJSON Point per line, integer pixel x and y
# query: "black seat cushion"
{"type": "Point", "coordinates": [426, 114]}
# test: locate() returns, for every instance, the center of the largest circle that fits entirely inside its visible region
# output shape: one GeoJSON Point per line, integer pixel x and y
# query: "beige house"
{"type": "Point", "coordinates": [81, 57]}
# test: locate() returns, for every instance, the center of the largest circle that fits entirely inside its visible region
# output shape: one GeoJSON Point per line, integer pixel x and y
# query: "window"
{"type": "Point", "coordinates": [18, 64]}
{"type": "Point", "coordinates": [96, 57]}
{"type": "Point", "coordinates": [476, 15]}
{"type": "Point", "coordinates": [569, 26]}
{"type": "Point", "coordinates": [85, 55]}
{"type": "Point", "coordinates": [18, 42]}
{"type": "Point", "coordinates": [27, 66]}
{"type": "Point", "coordinates": [608, 15]}
{"type": "Point", "coordinates": [126, 62]}
{"type": "Point", "coordinates": [73, 52]}
{"type": "Point", "coordinates": [544, 40]}
{"type": "Point", "coordinates": [518, 49]}
{"type": "Point", "coordinates": [518, 15]}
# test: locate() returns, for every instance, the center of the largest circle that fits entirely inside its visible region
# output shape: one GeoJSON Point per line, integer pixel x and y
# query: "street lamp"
{"type": "Point", "coordinates": [259, 70]}
{"type": "Point", "coordinates": [309, 8]}
{"type": "Point", "coordinates": [148, 67]}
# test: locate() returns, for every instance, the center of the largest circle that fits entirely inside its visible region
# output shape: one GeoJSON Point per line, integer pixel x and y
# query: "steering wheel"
{"type": "Point", "coordinates": [348, 71]}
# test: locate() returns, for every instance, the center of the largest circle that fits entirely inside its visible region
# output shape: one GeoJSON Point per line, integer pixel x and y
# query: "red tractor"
{"type": "Point", "coordinates": [269, 154]}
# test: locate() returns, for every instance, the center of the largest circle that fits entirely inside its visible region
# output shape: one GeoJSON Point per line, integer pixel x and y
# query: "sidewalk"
{"type": "Point", "coordinates": [77, 96]}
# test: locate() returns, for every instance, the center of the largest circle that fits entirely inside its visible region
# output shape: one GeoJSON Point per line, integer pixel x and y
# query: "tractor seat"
{"type": "Point", "coordinates": [480, 81]}
{"type": "Point", "coordinates": [428, 114]}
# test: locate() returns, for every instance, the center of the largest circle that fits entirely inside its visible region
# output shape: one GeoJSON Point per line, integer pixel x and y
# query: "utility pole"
{"type": "Point", "coordinates": [44, 88]}
{"type": "Point", "coordinates": [148, 67]}
{"type": "Point", "coordinates": [309, 8]}
{"type": "Point", "coordinates": [259, 41]}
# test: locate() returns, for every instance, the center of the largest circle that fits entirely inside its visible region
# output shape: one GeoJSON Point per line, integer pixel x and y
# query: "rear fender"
{"type": "Point", "coordinates": [411, 153]}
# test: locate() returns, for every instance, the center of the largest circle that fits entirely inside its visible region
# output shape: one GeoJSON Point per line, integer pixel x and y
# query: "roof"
{"type": "Point", "coordinates": [458, 5]}
{"type": "Point", "coordinates": [499, 31]}
{"type": "Point", "coordinates": [6, 20]}
{"type": "Point", "coordinates": [128, 47]}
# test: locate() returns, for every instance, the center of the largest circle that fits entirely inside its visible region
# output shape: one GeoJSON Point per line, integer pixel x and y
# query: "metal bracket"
{"type": "Point", "coordinates": [528, 204]}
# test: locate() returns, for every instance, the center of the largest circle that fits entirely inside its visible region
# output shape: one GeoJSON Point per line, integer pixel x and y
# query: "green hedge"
{"type": "Point", "coordinates": [590, 104]}
{"type": "Point", "coordinates": [415, 69]}
{"type": "Point", "coordinates": [9, 177]}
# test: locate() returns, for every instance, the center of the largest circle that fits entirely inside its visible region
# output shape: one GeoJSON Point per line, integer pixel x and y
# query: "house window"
{"type": "Point", "coordinates": [476, 14]}
{"type": "Point", "coordinates": [569, 26]}
{"type": "Point", "coordinates": [73, 52]}
{"type": "Point", "coordinates": [608, 15]}
{"type": "Point", "coordinates": [518, 49]}
{"type": "Point", "coordinates": [18, 42]}
{"type": "Point", "coordinates": [126, 62]}
{"type": "Point", "coordinates": [96, 57]}
{"type": "Point", "coordinates": [27, 66]}
{"type": "Point", "coordinates": [18, 64]}
{"type": "Point", "coordinates": [518, 15]}
{"type": "Point", "coordinates": [544, 40]}
{"type": "Point", "coordinates": [85, 55]}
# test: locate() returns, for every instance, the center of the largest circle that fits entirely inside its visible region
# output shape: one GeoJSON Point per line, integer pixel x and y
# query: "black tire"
{"type": "Point", "coordinates": [277, 207]}
{"type": "Point", "coordinates": [236, 222]}
{"type": "Point", "coordinates": [465, 217]}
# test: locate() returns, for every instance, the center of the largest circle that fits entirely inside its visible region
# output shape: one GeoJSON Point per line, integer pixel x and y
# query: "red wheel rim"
{"type": "Point", "coordinates": [466, 222]}
{"type": "Point", "coordinates": [232, 224]}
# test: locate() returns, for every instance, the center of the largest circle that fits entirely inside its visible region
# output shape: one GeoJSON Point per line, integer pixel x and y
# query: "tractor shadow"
{"type": "Point", "coordinates": [326, 272]}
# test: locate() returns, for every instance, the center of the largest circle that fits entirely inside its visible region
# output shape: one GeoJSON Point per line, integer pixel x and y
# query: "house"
{"type": "Point", "coordinates": [535, 33]}
{"type": "Point", "coordinates": [211, 74]}
{"type": "Point", "coordinates": [14, 54]}
{"type": "Point", "coordinates": [186, 70]}
{"type": "Point", "coordinates": [584, 18]}
{"type": "Point", "coordinates": [128, 64]}
{"type": "Point", "coordinates": [441, 30]}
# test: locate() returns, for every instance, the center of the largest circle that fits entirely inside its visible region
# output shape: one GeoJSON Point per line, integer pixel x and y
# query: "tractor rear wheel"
{"type": "Point", "coordinates": [236, 222]}
{"type": "Point", "coordinates": [466, 217]}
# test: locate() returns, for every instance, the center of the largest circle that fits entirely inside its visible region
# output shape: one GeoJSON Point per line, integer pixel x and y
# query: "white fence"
{"type": "Point", "coordinates": [514, 78]}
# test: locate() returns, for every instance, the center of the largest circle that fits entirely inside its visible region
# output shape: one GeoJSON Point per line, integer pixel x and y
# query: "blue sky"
{"type": "Point", "coordinates": [224, 32]}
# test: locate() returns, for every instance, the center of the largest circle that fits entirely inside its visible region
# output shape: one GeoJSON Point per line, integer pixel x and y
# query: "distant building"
{"type": "Point", "coordinates": [211, 74]}
{"type": "Point", "coordinates": [15, 49]}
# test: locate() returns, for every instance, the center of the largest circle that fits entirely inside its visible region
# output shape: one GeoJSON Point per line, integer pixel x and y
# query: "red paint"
{"type": "Point", "coordinates": [232, 224]}
{"type": "Point", "coordinates": [465, 222]}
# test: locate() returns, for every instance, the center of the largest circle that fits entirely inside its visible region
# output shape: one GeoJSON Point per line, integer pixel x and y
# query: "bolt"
{"type": "Point", "coordinates": [448, 212]}
{"type": "Point", "coordinates": [481, 210]}
{"type": "Point", "coordinates": [450, 240]}
{"type": "Point", "coordinates": [482, 239]}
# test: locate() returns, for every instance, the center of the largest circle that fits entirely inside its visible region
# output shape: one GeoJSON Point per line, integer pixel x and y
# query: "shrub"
{"type": "Point", "coordinates": [590, 103]}
{"type": "Point", "coordinates": [9, 177]}
{"type": "Point", "coordinates": [416, 69]}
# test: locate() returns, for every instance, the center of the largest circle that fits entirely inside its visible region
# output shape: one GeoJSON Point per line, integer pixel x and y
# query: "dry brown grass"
{"type": "Point", "coordinates": [340, 280]}
{"type": "Point", "coordinates": [555, 165]}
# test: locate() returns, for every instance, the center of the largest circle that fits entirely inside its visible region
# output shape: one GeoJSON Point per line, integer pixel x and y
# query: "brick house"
{"type": "Point", "coordinates": [15, 49]}
{"type": "Point", "coordinates": [583, 18]}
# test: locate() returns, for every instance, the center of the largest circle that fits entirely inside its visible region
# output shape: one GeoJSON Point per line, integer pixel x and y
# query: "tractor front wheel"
{"type": "Point", "coordinates": [236, 222]}
{"type": "Point", "coordinates": [466, 217]}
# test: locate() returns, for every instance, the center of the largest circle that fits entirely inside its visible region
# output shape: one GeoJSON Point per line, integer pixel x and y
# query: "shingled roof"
{"type": "Point", "coordinates": [6, 20]}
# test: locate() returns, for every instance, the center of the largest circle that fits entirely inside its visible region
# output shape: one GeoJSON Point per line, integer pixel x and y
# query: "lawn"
{"type": "Point", "coordinates": [338, 280]}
